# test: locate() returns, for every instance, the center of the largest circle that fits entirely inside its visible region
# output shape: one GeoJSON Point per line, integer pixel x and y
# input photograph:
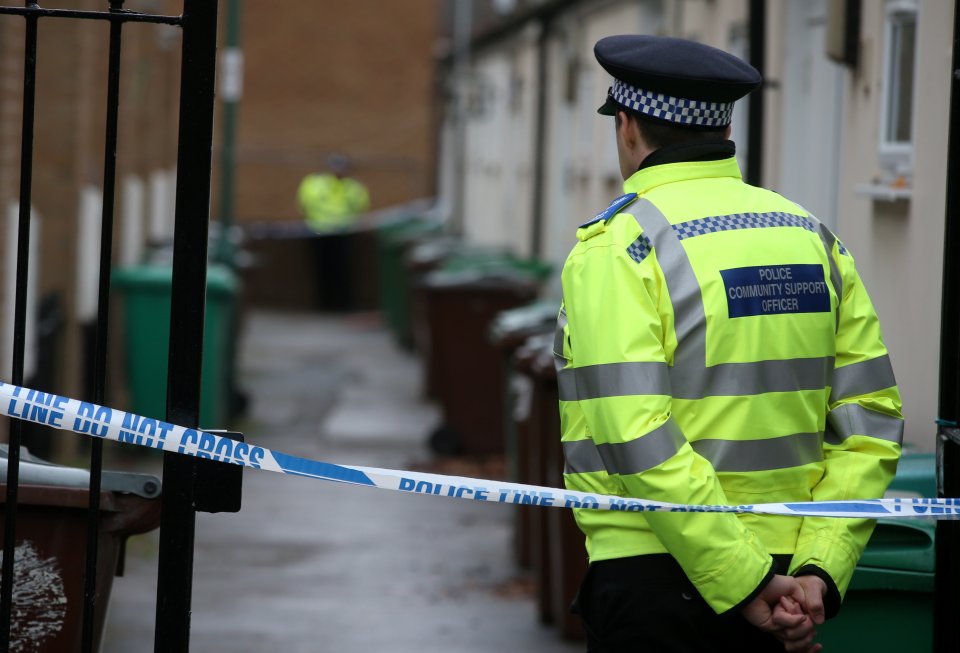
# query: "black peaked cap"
{"type": "Point", "coordinates": [676, 67]}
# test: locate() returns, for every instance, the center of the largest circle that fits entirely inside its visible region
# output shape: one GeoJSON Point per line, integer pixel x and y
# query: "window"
{"type": "Point", "coordinates": [899, 66]}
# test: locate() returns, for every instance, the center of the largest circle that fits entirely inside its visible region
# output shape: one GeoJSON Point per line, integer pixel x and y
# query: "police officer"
{"type": "Point", "coordinates": [330, 201]}
{"type": "Point", "coordinates": [715, 346]}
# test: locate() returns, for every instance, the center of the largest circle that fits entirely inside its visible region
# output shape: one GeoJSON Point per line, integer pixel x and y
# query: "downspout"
{"type": "Point", "coordinates": [231, 89]}
{"type": "Point", "coordinates": [540, 140]}
{"type": "Point", "coordinates": [462, 36]}
{"type": "Point", "coordinates": [946, 631]}
{"type": "Point", "coordinates": [758, 43]}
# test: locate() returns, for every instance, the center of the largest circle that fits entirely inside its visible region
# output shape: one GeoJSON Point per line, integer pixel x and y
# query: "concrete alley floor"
{"type": "Point", "coordinates": [309, 566]}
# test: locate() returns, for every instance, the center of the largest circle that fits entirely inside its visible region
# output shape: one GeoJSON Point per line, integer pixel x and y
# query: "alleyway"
{"type": "Point", "coordinates": [309, 566]}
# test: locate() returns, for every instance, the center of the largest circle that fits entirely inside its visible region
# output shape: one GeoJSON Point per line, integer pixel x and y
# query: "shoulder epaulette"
{"type": "Point", "coordinates": [614, 208]}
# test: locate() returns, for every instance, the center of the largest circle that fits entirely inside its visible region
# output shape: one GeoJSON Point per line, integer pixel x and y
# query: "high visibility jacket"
{"type": "Point", "coordinates": [329, 202]}
{"type": "Point", "coordinates": [716, 346]}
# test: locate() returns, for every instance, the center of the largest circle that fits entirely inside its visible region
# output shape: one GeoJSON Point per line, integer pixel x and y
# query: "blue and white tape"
{"type": "Point", "coordinates": [119, 426]}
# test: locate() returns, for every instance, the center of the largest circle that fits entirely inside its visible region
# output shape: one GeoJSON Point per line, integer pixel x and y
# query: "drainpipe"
{"type": "Point", "coordinates": [540, 140]}
{"type": "Point", "coordinates": [231, 90]}
{"type": "Point", "coordinates": [758, 43]}
{"type": "Point", "coordinates": [946, 632]}
{"type": "Point", "coordinates": [462, 35]}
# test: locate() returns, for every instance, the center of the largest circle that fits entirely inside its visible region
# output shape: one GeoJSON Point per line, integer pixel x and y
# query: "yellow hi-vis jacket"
{"type": "Point", "coordinates": [717, 346]}
{"type": "Point", "coordinates": [329, 202]}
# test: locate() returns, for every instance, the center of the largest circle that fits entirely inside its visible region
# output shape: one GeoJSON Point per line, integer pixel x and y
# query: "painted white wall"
{"type": "Point", "coordinates": [565, 57]}
{"type": "Point", "coordinates": [582, 174]}
{"type": "Point", "coordinates": [446, 173]}
{"type": "Point", "coordinates": [581, 170]}
{"type": "Point", "coordinates": [483, 168]}
{"type": "Point", "coordinates": [9, 281]}
{"type": "Point", "coordinates": [812, 103]}
{"type": "Point", "coordinates": [499, 147]}
{"type": "Point", "coordinates": [133, 219]}
{"type": "Point", "coordinates": [898, 246]}
{"type": "Point", "coordinates": [821, 143]}
{"type": "Point", "coordinates": [162, 206]}
{"type": "Point", "coordinates": [88, 253]}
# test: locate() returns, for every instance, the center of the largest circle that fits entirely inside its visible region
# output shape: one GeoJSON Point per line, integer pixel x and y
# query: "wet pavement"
{"type": "Point", "coordinates": [311, 566]}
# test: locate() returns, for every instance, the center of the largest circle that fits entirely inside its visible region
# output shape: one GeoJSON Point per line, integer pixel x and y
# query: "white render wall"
{"type": "Point", "coordinates": [582, 173]}
{"type": "Point", "coordinates": [821, 144]}
{"type": "Point", "coordinates": [499, 147]}
{"type": "Point", "coordinates": [898, 246]}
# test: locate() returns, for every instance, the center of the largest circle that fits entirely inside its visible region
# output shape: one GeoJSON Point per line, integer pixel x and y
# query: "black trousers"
{"type": "Point", "coordinates": [646, 604]}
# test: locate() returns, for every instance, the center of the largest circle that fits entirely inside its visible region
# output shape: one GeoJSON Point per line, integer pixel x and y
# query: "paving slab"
{"type": "Point", "coordinates": [311, 566]}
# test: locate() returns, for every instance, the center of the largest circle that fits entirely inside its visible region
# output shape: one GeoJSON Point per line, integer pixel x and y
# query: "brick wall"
{"type": "Point", "coordinates": [321, 77]}
{"type": "Point", "coordinates": [69, 148]}
{"type": "Point", "coordinates": [330, 76]}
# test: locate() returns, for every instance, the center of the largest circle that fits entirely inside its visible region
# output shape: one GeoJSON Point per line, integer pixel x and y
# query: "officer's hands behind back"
{"type": "Point", "coordinates": [783, 609]}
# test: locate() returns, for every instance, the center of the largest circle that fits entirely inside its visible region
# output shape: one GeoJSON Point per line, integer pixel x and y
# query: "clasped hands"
{"type": "Point", "coordinates": [790, 609]}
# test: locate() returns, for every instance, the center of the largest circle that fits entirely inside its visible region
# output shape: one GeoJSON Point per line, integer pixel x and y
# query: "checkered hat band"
{"type": "Point", "coordinates": [672, 109]}
{"type": "Point", "coordinates": [717, 223]}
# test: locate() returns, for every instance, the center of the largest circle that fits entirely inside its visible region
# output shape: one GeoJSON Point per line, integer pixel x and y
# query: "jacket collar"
{"type": "Point", "coordinates": [711, 150]}
{"type": "Point", "coordinates": [682, 163]}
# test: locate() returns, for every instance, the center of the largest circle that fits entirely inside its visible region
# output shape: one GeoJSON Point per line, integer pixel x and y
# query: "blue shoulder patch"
{"type": "Point", "coordinates": [614, 208]}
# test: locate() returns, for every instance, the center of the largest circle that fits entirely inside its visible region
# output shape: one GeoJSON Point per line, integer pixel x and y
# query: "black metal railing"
{"type": "Point", "coordinates": [946, 630]}
{"type": "Point", "coordinates": [198, 22]}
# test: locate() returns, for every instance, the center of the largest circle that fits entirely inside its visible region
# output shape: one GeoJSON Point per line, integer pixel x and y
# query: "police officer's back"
{"type": "Point", "coordinates": [716, 346]}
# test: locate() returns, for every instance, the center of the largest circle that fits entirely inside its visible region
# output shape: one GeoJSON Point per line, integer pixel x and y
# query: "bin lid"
{"type": "Point", "coordinates": [477, 279]}
{"type": "Point", "coordinates": [486, 270]}
{"type": "Point", "coordinates": [900, 557]}
{"type": "Point", "coordinates": [538, 317]}
{"type": "Point", "coordinates": [36, 471]}
{"type": "Point", "coordinates": [916, 476]}
{"type": "Point", "coordinates": [489, 259]}
{"type": "Point", "coordinates": [901, 547]}
{"type": "Point", "coordinates": [401, 233]}
{"type": "Point", "coordinates": [221, 281]}
{"type": "Point", "coordinates": [443, 248]}
{"type": "Point", "coordinates": [527, 354]}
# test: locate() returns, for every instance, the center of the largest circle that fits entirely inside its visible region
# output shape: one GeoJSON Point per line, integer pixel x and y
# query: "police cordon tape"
{"type": "Point", "coordinates": [111, 424]}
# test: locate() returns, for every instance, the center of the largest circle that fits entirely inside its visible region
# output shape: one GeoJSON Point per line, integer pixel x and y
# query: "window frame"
{"type": "Point", "coordinates": [896, 156]}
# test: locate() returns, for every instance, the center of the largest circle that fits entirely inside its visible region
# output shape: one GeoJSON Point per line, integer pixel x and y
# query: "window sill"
{"type": "Point", "coordinates": [884, 192]}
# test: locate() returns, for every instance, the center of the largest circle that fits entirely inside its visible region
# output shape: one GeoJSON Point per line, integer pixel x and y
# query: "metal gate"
{"type": "Point", "coordinates": [198, 22]}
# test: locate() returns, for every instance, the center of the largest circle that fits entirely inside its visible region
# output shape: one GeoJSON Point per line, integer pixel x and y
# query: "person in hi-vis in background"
{"type": "Point", "coordinates": [331, 200]}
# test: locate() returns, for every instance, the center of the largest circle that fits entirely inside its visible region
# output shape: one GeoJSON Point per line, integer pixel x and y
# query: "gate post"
{"type": "Point", "coordinates": [946, 633]}
{"type": "Point", "coordinates": [20, 323]}
{"type": "Point", "coordinates": [178, 518]}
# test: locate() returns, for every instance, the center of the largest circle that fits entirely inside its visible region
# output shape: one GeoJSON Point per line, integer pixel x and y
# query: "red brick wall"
{"type": "Point", "coordinates": [69, 139]}
{"type": "Point", "coordinates": [331, 76]}
{"type": "Point", "coordinates": [321, 77]}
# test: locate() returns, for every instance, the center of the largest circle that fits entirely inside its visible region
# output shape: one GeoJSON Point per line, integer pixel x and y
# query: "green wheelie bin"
{"type": "Point", "coordinates": [146, 293]}
{"type": "Point", "coordinates": [889, 604]}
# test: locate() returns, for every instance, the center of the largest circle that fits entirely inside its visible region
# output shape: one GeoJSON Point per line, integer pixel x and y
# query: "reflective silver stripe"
{"type": "Point", "coordinates": [566, 384]}
{"type": "Point", "coordinates": [633, 457]}
{"type": "Point", "coordinates": [690, 378]}
{"type": "Point", "coordinates": [761, 455]}
{"type": "Point", "coordinates": [613, 380]}
{"type": "Point", "coordinates": [690, 326]}
{"type": "Point", "coordinates": [741, 379]}
{"type": "Point", "coordinates": [854, 419]}
{"type": "Point", "coordinates": [862, 378]}
{"type": "Point", "coordinates": [581, 457]}
{"type": "Point", "coordinates": [828, 240]}
{"type": "Point", "coordinates": [559, 362]}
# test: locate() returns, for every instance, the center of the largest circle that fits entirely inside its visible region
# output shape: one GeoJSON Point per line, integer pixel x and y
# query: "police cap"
{"type": "Point", "coordinates": [674, 80]}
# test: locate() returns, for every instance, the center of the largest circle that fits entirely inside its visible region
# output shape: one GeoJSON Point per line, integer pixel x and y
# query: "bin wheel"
{"type": "Point", "coordinates": [445, 441]}
{"type": "Point", "coordinates": [239, 403]}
